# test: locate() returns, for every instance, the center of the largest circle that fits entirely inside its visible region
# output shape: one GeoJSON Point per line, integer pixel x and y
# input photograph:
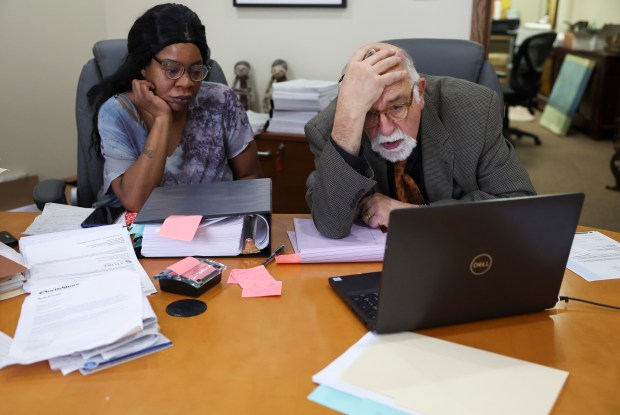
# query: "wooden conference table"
{"type": "Point", "coordinates": [257, 355]}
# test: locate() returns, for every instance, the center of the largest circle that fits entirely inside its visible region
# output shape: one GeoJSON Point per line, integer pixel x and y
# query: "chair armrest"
{"type": "Point", "coordinates": [49, 191]}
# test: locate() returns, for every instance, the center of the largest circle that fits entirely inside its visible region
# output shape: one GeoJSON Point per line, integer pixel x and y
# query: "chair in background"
{"type": "Point", "coordinates": [525, 78]}
{"type": "Point", "coordinates": [457, 58]}
{"type": "Point", "coordinates": [108, 57]}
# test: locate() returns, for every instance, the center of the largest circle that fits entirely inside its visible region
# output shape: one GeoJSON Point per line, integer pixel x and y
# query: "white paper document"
{"type": "Point", "coordinates": [73, 255]}
{"type": "Point", "coordinates": [421, 374]}
{"type": "Point", "coordinates": [5, 346]}
{"type": "Point", "coordinates": [148, 340]}
{"type": "Point", "coordinates": [60, 318]}
{"type": "Point", "coordinates": [57, 217]}
{"type": "Point", "coordinates": [595, 256]}
{"type": "Point", "coordinates": [11, 272]}
{"type": "Point", "coordinates": [8, 252]}
{"type": "Point", "coordinates": [363, 244]}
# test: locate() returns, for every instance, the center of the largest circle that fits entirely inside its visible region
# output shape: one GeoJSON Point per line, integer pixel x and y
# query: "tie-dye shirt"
{"type": "Point", "coordinates": [217, 130]}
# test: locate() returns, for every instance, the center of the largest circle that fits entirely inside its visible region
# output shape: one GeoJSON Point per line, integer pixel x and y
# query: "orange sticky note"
{"type": "Point", "coordinates": [289, 259]}
{"type": "Point", "coordinates": [178, 227]}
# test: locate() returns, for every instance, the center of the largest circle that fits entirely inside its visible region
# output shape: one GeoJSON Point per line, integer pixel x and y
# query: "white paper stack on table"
{"type": "Point", "coordinates": [408, 373]}
{"type": "Point", "coordinates": [12, 269]}
{"type": "Point", "coordinates": [296, 102]}
{"type": "Point", "coordinates": [257, 121]}
{"type": "Point", "coordinates": [88, 324]}
{"type": "Point", "coordinates": [87, 308]}
{"type": "Point", "coordinates": [363, 244]}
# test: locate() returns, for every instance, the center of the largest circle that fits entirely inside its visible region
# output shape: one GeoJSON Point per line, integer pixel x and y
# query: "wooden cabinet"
{"type": "Point", "coordinates": [600, 105]}
{"type": "Point", "coordinates": [287, 160]}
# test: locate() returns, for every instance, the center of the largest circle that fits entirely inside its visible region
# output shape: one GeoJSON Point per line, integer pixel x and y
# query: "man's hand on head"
{"type": "Point", "coordinates": [363, 83]}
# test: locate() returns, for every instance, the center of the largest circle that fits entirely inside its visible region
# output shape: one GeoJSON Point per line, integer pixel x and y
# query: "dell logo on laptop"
{"type": "Point", "coordinates": [481, 264]}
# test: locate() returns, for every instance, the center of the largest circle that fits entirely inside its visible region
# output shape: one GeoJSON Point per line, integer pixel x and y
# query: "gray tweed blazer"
{"type": "Point", "coordinates": [465, 157]}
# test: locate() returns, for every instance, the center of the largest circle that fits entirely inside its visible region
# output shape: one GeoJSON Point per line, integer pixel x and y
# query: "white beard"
{"type": "Point", "coordinates": [399, 153]}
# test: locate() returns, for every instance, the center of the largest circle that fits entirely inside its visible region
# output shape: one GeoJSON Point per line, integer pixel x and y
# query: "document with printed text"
{"type": "Point", "coordinates": [73, 255]}
{"type": "Point", "coordinates": [595, 256]}
{"type": "Point", "coordinates": [59, 318]}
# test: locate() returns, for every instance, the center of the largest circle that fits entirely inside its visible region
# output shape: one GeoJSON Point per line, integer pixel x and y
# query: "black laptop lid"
{"type": "Point", "coordinates": [472, 261]}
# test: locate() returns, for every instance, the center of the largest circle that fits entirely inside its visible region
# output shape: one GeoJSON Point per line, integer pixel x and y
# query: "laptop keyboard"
{"type": "Point", "coordinates": [367, 302]}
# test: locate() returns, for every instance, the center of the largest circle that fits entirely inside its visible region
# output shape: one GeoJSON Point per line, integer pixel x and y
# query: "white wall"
{"type": "Point", "coordinates": [316, 43]}
{"type": "Point", "coordinates": [44, 45]}
{"type": "Point", "coordinates": [593, 11]}
{"type": "Point", "coordinates": [529, 10]}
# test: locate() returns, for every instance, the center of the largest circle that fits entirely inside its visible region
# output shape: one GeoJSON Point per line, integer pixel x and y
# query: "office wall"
{"type": "Point", "coordinates": [529, 10]}
{"type": "Point", "coordinates": [593, 11]}
{"type": "Point", "coordinates": [44, 45]}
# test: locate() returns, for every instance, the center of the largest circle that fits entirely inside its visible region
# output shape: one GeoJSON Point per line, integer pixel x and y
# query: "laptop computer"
{"type": "Point", "coordinates": [464, 262]}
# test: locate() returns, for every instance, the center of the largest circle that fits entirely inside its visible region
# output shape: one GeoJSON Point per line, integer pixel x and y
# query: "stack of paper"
{"type": "Point", "coordinates": [363, 244]}
{"type": "Point", "coordinates": [408, 373]}
{"type": "Point", "coordinates": [88, 324]}
{"type": "Point", "coordinates": [11, 272]}
{"type": "Point", "coordinates": [296, 102]}
{"type": "Point", "coordinates": [594, 256]}
{"type": "Point", "coordinates": [87, 308]}
{"type": "Point", "coordinates": [257, 121]}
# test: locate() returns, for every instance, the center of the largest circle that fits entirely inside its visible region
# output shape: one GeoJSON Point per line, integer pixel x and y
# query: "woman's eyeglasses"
{"type": "Point", "coordinates": [174, 70]}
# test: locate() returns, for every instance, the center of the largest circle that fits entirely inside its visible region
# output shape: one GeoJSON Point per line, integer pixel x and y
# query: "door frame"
{"type": "Point", "coordinates": [481, 22]}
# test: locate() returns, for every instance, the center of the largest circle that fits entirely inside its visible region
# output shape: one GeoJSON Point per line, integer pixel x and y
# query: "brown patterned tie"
{"type": "Point", "coordinates": [406, 188]}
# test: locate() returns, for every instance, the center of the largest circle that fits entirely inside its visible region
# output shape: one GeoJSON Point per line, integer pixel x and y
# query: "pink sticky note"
{"type": "Point", "coordinates": [248, 276]}
{"type": "Point", "coordinates": [184, 265]}
{"type": "Point", "coordinates": [288, 259]}
{"type": "Point", "coordinates": [231, 279]}
{"type": "Point", "coordinates": [263, 288]}
{"type": "Point", "coordinates": [256, 282]}
{"type": "Point", "coordinates": [178, 227]}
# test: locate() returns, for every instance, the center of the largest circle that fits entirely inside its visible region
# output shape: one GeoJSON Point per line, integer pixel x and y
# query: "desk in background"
{"type": "Point", "coordinates": [257, 355]}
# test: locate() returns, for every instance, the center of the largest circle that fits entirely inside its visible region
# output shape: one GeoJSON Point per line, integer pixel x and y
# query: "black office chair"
{"type": "Point", "coordinates": [524, 80]}
{"type": "Point", "coordinates": [108, 56]}
{"type": "Point", "coordinates": [457, 58]}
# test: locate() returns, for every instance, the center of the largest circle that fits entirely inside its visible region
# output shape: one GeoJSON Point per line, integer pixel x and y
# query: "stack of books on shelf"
{"type": "Point", "coordinates": [296, 102]}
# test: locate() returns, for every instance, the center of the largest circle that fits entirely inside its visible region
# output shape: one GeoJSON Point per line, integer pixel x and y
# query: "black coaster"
{"type": "Point", "coordinates": [186, 308]}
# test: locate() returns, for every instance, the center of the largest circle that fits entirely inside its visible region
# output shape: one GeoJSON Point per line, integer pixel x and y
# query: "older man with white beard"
{"type": "Point", "coordinates": [394, 139]}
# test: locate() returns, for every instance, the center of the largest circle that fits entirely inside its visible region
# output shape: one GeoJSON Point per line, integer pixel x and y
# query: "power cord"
{"type": "Point", "coordinates": [565, 299]}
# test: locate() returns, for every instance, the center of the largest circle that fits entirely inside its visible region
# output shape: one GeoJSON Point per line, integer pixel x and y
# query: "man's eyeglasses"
{"type": "Point", "coordinates": [395, 112]}
{"type": "Point", "coordinates": [175, 70]}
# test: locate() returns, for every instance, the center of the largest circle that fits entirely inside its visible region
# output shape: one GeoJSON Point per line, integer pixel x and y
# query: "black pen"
{"type": "Point", "coordinates": [273, 255]}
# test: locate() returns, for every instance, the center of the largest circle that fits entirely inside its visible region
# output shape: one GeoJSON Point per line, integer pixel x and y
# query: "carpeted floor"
{"type": "Point", "coordinates": [574, 163]}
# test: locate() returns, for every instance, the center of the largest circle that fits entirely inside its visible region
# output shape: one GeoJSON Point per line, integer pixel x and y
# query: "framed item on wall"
{"type": "Point", "coordinates": [290, 3]}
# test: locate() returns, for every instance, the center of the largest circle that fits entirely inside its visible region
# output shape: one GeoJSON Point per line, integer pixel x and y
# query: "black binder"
{"type": "Point", "coordinates": [211, 200]}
